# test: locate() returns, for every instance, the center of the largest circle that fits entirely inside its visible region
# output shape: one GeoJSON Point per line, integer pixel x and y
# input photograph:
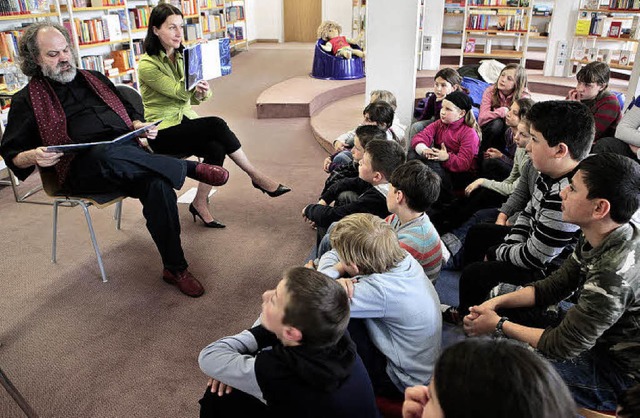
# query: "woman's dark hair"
{"type": "Point", "coordinates": [318, 306]}
{"type": "Point", "coordinates": [615, 178]}
{"type": "Point", "coordinates": [499, 379]}
{"type": "Point", "coordinates": [159, 14]}
{"type": "Point", "coordinates": [595, 72]}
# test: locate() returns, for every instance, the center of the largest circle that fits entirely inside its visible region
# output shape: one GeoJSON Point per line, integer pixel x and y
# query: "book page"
{"type": "Point", "coordinates": [211, 60]}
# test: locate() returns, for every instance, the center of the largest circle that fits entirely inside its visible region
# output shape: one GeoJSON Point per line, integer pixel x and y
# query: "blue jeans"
{"type": "Point", "coordinates": [594, 380]}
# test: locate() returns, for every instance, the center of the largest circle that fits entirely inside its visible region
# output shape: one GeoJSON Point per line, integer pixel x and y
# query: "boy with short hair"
{"type": "Point", "coordinates": [414, 187]}
{"type": "Point", "coordinates": [594, 343]}
{"type": "Point", "coordinates": [538, 242]}
{"type": "Point", "coordinates": [363, 135]}
{"type": "Point", "coordinates": [379, 160]}
{"type": "Point", "coordinates": [312, 368]}
{"type": "Point", "coordinates": [395, 310]}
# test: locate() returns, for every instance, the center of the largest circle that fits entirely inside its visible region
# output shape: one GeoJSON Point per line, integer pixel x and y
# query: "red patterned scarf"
{"type": "Point", "coordinates": [52, 121]}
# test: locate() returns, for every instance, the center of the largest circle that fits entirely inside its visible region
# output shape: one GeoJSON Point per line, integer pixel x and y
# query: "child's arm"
{"type": "Point", "coordinates": [355, 184]}
{"type": "Point", "coordinates": [627, 130]}
{"type": "Point", "coordinates": [522, 193]}
{"type": "Point", "coordinates": [231, 360]}
{"type": "Point", "coordinates": [486, 114]}
{"type": "Point", "coordinates": [340, 142]}
{"type": "Point", "coordinates": [424, 139]}
{"type": "Point", "coordinates": [508, 185]}
{"type": "Point", "coordinates": [330, 265]}
{"type": "Point", "coordinates": [323, 216]}
{"type": "Point", "coordinates": [607, 114]}
{"type": "Point", "coordinates": [369, 298]}
{"type": "Point", "coordinates": [462, 161]}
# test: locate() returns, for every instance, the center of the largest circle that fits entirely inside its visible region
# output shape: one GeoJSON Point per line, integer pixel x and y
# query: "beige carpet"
{"type": "Point", "coordinates": [75, 347]}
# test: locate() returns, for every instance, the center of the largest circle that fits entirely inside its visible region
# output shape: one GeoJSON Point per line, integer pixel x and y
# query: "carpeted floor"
{"type": "Point", "coordinates": [75, 347]}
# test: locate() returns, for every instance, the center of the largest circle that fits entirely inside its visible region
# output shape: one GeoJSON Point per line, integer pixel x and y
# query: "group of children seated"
{"type": "Point", "coordinates": [513, 200]}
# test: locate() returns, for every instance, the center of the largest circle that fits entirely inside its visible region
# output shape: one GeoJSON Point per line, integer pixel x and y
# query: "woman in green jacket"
{"type": "Point", "coordinates": [182, 132]}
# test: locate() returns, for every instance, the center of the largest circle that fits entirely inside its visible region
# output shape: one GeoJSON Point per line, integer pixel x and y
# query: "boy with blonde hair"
{"type": "Point", "coordinates": [395, 310]}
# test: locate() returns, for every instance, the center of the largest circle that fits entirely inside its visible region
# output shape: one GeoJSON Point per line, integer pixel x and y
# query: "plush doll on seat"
{"type": "Point", "coordinates": [339, 45]}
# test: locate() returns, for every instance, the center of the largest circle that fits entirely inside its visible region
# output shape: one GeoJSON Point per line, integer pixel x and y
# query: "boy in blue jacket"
{"type": "Point", "coordinates": [297, 363]}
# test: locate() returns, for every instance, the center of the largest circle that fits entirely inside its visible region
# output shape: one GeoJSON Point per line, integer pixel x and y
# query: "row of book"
{"type": "Point", "coordinates": [509, 3]}
{"type": "Point", "coordinates": [211, 21]}
{"type": "Point", "coordinates": [617, 56]}
{"type": "Point", "coordinates": [102, 29]}
{"type": "Point", "coordinates": [613, 4]}
{"type": "Point", "coordinates": [18, 7]}
{"type": "Point", "coordinates": [97, 3]}
{"type": "Point", "coordinates": [234, 13]}
{"type": "Point", "coordinates": [9, 43]}
{"type": "Point", "coordinates": [189, 7]}
{"type": "Point", "coordinates": [511, 20]}
{"type": "Point", "coordinates": [599, 24]}
{"type": "Point", "coordinates": [139, 17]}
{"type": "Point", "coordinates": [210, 4]}
{"type": "Point", "coordinates": [235, 33]}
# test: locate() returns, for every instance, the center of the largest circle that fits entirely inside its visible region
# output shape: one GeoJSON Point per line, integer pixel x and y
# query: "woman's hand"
{"type": "Point", "coordinates": [202, 88]}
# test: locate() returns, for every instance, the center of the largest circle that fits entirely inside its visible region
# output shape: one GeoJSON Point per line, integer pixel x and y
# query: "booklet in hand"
{"type": "Point", "coordinates": [79, 147]}
{"type": "Point", "coordinates": [206, 61]}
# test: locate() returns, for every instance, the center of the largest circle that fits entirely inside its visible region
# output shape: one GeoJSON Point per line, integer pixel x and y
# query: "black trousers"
{"type": "Point", "coordinates": [209, 138]}
{"type": "Point", "coordinates": [152, 178]}
{"type": "Point", "coordinates": [463, 208]}
{"type": "Point", "coordinates": [493, 135]}
{"type": "Point", "coordinates": [478, 276]}
{"type": "Point", "coordinates": [232, 405]}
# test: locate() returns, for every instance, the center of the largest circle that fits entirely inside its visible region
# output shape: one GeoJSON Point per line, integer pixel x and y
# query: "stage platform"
{"type": "Point", "coordinates": [335, 106]}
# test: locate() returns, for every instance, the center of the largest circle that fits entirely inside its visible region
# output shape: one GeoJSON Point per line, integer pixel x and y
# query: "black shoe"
{"type": "Point", "coordinates": [277, 192]}
{"type": "Point", "coordinates": [212, 224]}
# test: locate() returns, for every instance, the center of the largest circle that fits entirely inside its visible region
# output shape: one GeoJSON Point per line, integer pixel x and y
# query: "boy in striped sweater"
{"type": "Point", "coordinates": [414, 187]}
{"type": "Point", "coordinates": [539, 240]}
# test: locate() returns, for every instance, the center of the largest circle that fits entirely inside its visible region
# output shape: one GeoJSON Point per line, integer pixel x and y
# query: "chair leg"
{"type": "Point", "coordinates": [117, 215]}
{"type": "Point", "coordinates": [56, 202]}
{"type": "Point", "coordinates": [87, 216]}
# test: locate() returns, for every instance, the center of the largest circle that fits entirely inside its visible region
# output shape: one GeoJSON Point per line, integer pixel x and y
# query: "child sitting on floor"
{"type": "Point", "coordinates": [511, 86]}
{"type": "Point", "coordinates": [370, 188]}
{"type": "Point", "coordinates": [363, 135]}
{"type": "Point", "coordinates": [297, 363]}
{"type": "Point", "coordinates": [497, 163]}
{"type": "Point", "coordinates": [395, 316]}
{"type": "Point", "coordinates": [449, 146]}
{"type": "Point", "coordinates": [414, 187]}
{"type": "Point", "coordinates": [376, 113]}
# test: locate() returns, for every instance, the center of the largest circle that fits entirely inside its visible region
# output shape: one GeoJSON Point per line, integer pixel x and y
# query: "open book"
{"type": "Point", "coordinates": [206, 61]}
{"type": "Point", "coordinates": [79, 147]}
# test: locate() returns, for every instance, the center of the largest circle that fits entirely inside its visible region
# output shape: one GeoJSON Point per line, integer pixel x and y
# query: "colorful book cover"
{"type": "Point", "coordinates": [614, 29]}
{"type": "Point", "coordinates": [470, 46]}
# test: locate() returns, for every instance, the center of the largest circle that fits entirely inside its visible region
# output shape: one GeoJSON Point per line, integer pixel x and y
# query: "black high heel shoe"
{"type": "Point", "coordinates": [212, 224]}
{"type": "Point", "coordinates": [277, 192]}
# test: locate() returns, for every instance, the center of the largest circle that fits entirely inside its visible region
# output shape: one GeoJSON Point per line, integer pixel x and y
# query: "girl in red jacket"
{"type": "Point", "coordinates": [450, 145]}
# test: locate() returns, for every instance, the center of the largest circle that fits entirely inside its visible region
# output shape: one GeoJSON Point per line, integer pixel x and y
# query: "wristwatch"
{"type": "Point", "coordinates": [499, 333]}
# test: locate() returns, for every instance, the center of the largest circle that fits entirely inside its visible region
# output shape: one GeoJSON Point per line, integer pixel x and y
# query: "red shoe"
{"type": "Point", "coordinates": [211, 174]}
{"type": "Point", "coordinates": [185, 281]}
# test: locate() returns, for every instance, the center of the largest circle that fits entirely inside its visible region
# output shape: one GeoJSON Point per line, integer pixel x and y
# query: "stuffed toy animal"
{"type": "Point", "coordinates": [340, 46]}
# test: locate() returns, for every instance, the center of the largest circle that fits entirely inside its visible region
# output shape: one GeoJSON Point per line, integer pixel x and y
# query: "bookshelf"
{"type": "Point", "coordinates": [236, 23]}
{"type": "Point", "coordinates": [496, 29]}
{"type": "Point", "coordinates": [607, 31]}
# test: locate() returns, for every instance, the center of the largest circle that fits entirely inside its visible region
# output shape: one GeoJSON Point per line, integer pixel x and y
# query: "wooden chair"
{"type": "Point", "coordinates": [99, 200]}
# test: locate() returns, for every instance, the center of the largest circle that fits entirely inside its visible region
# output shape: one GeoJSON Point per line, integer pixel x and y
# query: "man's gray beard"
{"type": "Point", "coordinates": [61, 77]}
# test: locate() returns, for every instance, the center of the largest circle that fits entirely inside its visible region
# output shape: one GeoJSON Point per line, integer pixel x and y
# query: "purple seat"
{"type": "Point", "coordinates": [327, 66]}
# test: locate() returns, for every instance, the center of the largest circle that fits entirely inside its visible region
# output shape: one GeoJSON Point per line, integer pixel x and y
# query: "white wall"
{"type": "Point", "coordinates": [267, 15]}
{"type": "Point", "coordinates": [269, 21]}
{"type": "Point", "coordinates": [432, 28]}
{"type": "Point", "coordinates": [391, 52]}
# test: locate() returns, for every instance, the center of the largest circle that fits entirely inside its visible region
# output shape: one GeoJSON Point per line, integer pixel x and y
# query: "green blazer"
{"type": "Point", "coordinates": [163, 92]}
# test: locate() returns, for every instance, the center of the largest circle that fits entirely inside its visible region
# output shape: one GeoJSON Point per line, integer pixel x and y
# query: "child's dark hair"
{"type": "Point", "coordinates": [367, 133]}
{"type": "Point", "coordinates": [472, 372]}
{"type": "Point", "coordinates": [317, 306]}
{"type": "Point", "coordinates": [595, 72]}
{"type": "Point", "coordinates": [385, 156]}
{"type": "Point", "coordinates": [518, 88]}
{"type": "Point", "coordinates": [525, 105]}
{"type": "Point", "coordinates": [564, 121]}
{"type": "Point", "coordinates": [451, 76]}
{"type": "Point", "coordinates": [159, 14]}
{"type": "Point", "coordinates": [629, 403]}
{"type": "Point", "coordinates": [419, 184]}
{"type": "Point", "coordinates": [381, 113]}
{"type": "Point", "coordinates": [615, 178]}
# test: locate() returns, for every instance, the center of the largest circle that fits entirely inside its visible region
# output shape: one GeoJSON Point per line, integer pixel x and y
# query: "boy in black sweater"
{"type": "Point", "coordinates": [297, 363]}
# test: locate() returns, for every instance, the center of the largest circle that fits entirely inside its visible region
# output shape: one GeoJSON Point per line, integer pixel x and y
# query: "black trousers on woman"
{"type": "Point", "coordinates": [209, 138]}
